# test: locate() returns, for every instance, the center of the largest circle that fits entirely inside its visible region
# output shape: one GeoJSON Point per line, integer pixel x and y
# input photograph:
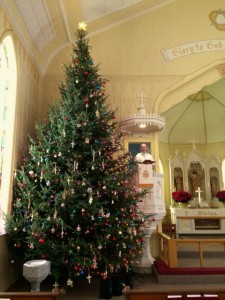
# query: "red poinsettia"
{"type": "Point", "coordinates": [181, 196]}
{"type": "Point", "coordinates": [221, 195]}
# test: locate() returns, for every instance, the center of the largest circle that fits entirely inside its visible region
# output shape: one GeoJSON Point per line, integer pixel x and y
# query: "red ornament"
{"type": "Point", "coordinates": [86, 100]}
{"type": "Point", "coordinates": [86, 73]}
{"type": "Point", "coordinates": [41, 241]}
{"type": "Point", "coordinates": [76, 61]}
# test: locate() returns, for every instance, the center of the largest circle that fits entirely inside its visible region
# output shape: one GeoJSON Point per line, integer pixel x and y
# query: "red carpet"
{"type": "Point", "coordinates": [163, 269]}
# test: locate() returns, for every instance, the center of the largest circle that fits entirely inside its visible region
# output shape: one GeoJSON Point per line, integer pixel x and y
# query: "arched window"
{"type": "Point", "coordinates": [8, 84]}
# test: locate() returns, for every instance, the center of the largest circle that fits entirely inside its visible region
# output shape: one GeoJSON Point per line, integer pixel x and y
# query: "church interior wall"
{"type": "Point", "coordinates": [28, 110]}
{"type": "Point", "coordinates": [215, 149]}
{"type": "Point", "coordinates": [135, 47]}
{"type": "Point", "coordinates": [130, 56]}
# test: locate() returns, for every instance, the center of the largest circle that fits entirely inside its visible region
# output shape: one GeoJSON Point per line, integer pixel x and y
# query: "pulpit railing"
{"type": "Point", "coordinates": [169, 247]}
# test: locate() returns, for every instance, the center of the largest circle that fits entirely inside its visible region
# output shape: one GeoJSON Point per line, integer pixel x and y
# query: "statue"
{"type": "Point", "coordinates": [214, 185]}
{"type": "Point", "coordinates": [195, 179]}
{"type": "Point", "coordinates": [178, 183]}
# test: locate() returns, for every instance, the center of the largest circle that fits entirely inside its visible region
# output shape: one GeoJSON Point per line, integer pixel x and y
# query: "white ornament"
{"type": "Point", "coordinates": [70, 283]}
{"type": "Point", "coordinates": [89, 278]}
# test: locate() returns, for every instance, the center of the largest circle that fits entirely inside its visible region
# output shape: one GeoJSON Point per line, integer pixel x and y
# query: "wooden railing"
{"type": "Point", "coordinates": [168, 248]}
{"type": "Point", "coordinates": [30, 296]}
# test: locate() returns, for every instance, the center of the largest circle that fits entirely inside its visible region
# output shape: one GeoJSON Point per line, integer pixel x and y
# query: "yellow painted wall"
{"type": "Point", "coordinates": [130, 57]}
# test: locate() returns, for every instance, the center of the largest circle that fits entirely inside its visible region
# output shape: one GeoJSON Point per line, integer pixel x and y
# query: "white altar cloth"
{"type": "Point", "coordinates": [212, 220]}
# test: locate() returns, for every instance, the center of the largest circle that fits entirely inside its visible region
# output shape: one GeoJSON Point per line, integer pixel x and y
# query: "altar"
{"type": "Point", "coordinates": [198, 220]}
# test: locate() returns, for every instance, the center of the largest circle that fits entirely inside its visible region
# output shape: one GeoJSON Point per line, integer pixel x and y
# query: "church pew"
{"type": "Point", "coordinates": [29, 296]}
{"type": "Point", "coordinates": [173, 295]}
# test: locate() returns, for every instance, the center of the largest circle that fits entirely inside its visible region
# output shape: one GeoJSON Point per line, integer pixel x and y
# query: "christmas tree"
{"type": "Point", "coordinates": [75, 200]}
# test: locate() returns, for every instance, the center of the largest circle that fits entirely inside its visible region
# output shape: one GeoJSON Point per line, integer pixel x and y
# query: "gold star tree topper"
{"type": "Point", "coordinates": [82, 26]}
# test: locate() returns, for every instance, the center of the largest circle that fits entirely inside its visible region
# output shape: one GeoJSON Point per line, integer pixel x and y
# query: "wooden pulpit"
{"type": "Point", "coordinates": [153, 206]}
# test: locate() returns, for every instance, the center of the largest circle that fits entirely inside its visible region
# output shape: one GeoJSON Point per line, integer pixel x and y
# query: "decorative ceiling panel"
{"type": "Point", "coordinates": [37, 20]}
{"type": "Point", "coordinates": [93, 9]}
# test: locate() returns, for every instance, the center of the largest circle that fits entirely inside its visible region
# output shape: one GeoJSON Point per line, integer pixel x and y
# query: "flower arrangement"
{"type": "Point", "coordinates": [221, 196]}
{"type": "Point", "coordinates": [181, 196]}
